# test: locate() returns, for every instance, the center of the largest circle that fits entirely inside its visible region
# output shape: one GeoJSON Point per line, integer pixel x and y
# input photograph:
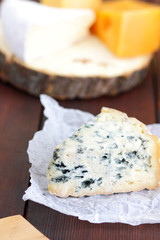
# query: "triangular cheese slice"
{"type": "Point", "coordinates": [112, 154]}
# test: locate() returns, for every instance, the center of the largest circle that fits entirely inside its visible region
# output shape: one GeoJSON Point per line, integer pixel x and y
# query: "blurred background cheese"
{"type": "Point", "coordinates": [52, 3]}
{"type": "Point", "coordinates": [92, 4]}
{"type": "Point", "coordinates": [33, 30]}
{"type": "Point", "coordinates": [128, 28]}
{"type": "Point", "coordinates": [52, 50]}
{"type": "Point", "coordinates": [86, 70]}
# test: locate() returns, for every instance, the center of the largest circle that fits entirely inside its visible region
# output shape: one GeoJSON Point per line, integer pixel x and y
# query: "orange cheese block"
{"type": "Point", "coordinates": [92, 4]}
{"type": "Point", "coordinates": [128, 28]}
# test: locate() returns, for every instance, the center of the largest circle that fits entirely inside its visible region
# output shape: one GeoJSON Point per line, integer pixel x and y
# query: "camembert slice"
{"type": "Point", "coordinates": [33, 31]}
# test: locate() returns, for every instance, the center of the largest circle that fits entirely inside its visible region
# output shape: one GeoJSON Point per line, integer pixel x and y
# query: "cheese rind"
{"type": "Point", "coordinates": [128, 28]}
{"type": "Point", "coordinates": [32, 30]}
{"type": "Point", "coordinates": [112, 154]}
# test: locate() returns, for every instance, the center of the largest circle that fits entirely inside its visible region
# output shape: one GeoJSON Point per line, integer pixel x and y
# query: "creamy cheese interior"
{"type": "Point", "coordinates": [112, 154]}
{"type": "Point", "coordinates": [90, 58]}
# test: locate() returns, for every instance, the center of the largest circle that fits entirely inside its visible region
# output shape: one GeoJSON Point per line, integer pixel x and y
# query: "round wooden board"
{"type": "Point", "coordinates": [60, 87]}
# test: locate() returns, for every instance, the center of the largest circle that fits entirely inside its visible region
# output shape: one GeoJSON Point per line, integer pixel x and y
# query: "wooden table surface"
{"type": "Point", "coordinates": [21, 115]}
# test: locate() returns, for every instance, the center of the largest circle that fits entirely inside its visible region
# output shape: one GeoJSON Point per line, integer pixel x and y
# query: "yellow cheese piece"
{"type": "Point", "coordinates": [128, 28]}
{"type": "Point", "coordinates": [52, 3]}
{"type": "Point", "coordinates": [92, 4]}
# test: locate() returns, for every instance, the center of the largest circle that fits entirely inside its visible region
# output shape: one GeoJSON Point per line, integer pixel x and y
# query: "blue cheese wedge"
{"type": "Point", "coordinates": [112, 154]}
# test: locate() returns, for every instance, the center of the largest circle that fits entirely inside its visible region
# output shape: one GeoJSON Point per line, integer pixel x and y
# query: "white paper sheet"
{"type": "Point", "coordinates": [132, 208]}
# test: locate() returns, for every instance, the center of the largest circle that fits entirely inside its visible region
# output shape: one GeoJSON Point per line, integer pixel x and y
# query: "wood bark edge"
{"type": "Point", "coordinates": [61, 87]}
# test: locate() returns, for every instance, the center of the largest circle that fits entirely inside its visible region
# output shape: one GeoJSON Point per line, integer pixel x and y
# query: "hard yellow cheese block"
{"type": "Point", "coordinates": [92, 4]}
{"type": "Point", "coordinates": [128, 28]}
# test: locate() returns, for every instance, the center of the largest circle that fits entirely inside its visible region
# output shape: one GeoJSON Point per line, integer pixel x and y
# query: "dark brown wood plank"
{"type": "Point", "coordinates": [156, 76]}
{"type": "Point", "coordinates": [155, 1]}
{"type": "Point", "coordinates": [158, 87]}
{"type": "Point", "coordinates": [62, 227]}
{"type": "Point", "coordinates": [19, 119]}
{"type": "Point", "coordinates": [139, 103]}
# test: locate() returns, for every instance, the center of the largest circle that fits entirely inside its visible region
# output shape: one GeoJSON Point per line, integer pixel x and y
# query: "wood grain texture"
{"type": "Point", "coordinates": [154, 1]}
{"type": "Point", "coordinates": [37, 82]}
{"type": "Point", "coordinates": [158, 88]}
{"type": "Point", "coordinates": [138, 102]}
{"type": "Point", "coordinates": [19, 120]}
{"type": "Point", "coordinates": [156, 79]}
{"type": "Point", "coordinates": [62, 227]}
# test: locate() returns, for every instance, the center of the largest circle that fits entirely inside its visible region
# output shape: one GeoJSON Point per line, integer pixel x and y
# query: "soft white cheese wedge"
{"type": "Point", "coordinates": [32, 30]}
{"type": "Point", "coordinates": [89, 58]}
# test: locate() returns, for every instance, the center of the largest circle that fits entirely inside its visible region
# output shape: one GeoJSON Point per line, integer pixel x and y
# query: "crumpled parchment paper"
{"type": "Point", "coordinates": [132, 208]}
